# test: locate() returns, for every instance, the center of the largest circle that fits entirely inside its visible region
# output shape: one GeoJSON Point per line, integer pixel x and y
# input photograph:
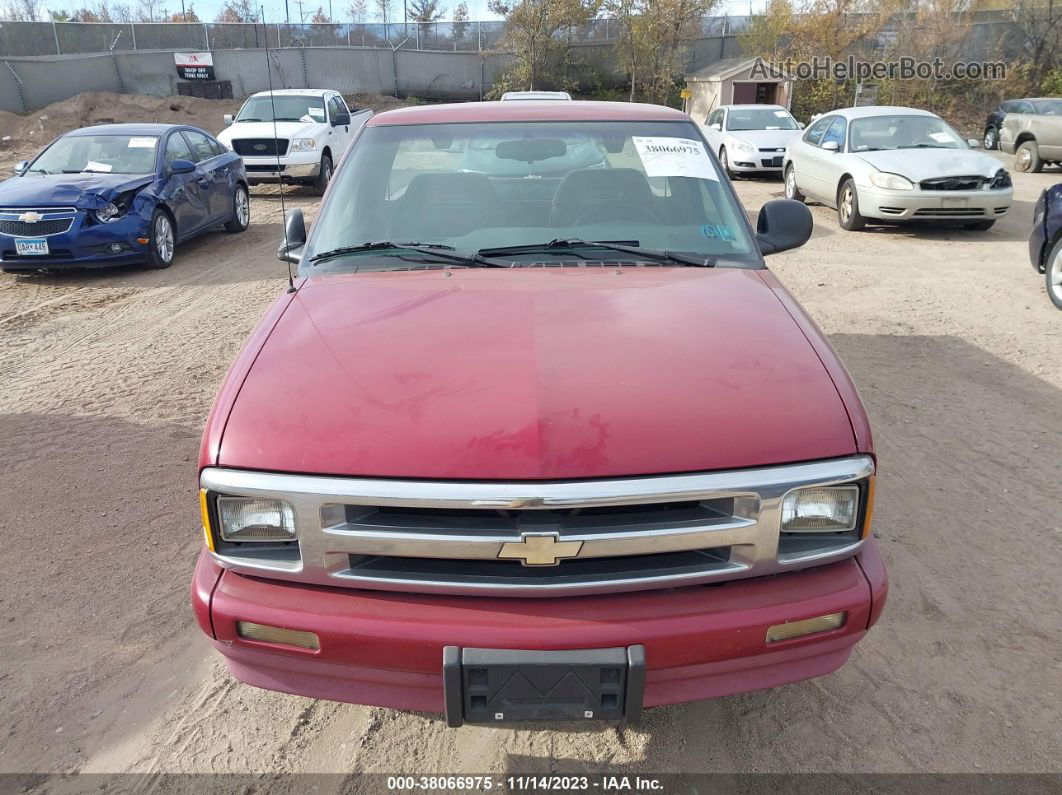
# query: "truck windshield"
{"type": "Point", "coordinates": [289, 107]}
{"type": "Point", "coordinates": [502, 185]}
{"type": "Point", "coordinates": [103, 154]}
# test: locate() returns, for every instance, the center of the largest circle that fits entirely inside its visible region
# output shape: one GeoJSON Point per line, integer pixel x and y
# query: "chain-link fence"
{"type": "Point", "coordinates": [70, 38]}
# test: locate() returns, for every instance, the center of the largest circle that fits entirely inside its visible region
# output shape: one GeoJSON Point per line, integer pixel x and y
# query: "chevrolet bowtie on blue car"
{"type": "Point", "coordinates": [119, 194]}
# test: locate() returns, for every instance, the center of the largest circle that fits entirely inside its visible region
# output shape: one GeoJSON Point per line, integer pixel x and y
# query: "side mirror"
{"type": "Point", "coordinates": [783, 224]}
{"type": "Point", "coordinates": [831, 146]}
{"type": "Point", "coordinates": [291, 246]}
{"type": "Point", "coordinates": [228, 119]}
{"type": "Point", "coordinates": [180, 166]}
{"type": "Point", "coordinates": [717, 127]}
{"type": "Point", "coordinates": [801, 125]}
{"type": "Point", "coordinates": [973, 143]}
{"type": "Point", "coordinates": [339, 121]}
{"type": "Point", "coordinates": [20, 167]}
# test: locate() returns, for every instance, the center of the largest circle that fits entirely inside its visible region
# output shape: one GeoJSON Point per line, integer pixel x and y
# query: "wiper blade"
{"type": "Point", "coordinates": [438, 250]}
{"type": "Point", "coordinates": [562, 244]}
{"type": "Point", "coordinates": [239, 120]}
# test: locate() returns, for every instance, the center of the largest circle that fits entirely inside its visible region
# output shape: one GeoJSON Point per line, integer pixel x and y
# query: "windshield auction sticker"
{"type": "Point", "coordinates": [674, 157]}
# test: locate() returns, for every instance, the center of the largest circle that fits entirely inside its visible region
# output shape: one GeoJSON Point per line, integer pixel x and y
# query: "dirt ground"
{"type": "Point", "coordinates": [106, 379]}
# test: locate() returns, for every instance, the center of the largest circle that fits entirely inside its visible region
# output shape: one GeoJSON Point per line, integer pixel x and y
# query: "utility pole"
{"type": "Point", "coordinates": [302, 17]}
{"type": "Point", "coordinates": [287, 13]}
{"type": "Point", "coordinates": [330, 17]}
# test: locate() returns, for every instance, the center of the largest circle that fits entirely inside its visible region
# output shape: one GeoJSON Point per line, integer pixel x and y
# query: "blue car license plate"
{"type": "Point", "coordinates": [31, 247]}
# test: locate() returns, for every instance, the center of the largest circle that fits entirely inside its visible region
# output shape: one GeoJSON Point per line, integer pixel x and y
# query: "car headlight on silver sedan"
{"type": "Point", "coordinates": [883, 179]}
{"type": "Point", "coordinates": [821, 509]}
{"type": "Point", "coordinates": [303, 145]}
{"type": "Point", "coordinates": [261, 519]}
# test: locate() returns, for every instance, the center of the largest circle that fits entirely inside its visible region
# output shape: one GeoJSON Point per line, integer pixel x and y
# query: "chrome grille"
{"type": "Point", "coordinates": [953, 183]}
{"type": "Point", "coordinates": [46, 221]}
{"type": "Point", "coordinates": [617, 534]}
{"type": "Point", "coordinates": [953, 212]}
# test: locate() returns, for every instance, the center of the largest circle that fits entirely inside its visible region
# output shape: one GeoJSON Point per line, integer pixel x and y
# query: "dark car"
{"type": "Point", "coordinates": [995, 118]}
{"type": "Point", "coordinates": [1045, 241]}
{"type": "Point", "coordinates": [119, 194]}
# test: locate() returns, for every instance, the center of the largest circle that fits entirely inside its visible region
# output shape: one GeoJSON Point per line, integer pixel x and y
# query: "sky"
{"type": "Point", "coordinates": [274, 9]}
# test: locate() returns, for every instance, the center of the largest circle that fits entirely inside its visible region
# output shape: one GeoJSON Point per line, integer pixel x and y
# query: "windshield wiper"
{"type": "Point", "coordinates": [438, 250]}
{"type": "Point", "coordinates": [561, 244]}
{"type": "Point", "coordinates": [239, 120]}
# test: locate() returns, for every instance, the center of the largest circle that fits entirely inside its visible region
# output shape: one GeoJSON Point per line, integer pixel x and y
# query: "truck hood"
{"type": "Point", "coordinates": [538, 373]}
{"type": "Point", "coordinates": [919, 164]}
{"type": "Point", "coordinates": [264, 129]}
{"type": "Point", "coordinates": [86, 191]}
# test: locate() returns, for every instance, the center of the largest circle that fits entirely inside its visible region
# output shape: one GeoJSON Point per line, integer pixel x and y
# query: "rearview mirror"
{"type": "Point", "coordinates": [291, 246]}
{"type": "Point", "coordinates": [228, 119]}
{"type": "Point", "coordinates": [530, 150]}
{"type": "Point", "coordinates": [20, 167]}
{"type": "Point", "coordinates": [180, 166]}
{"type": "Point", "coordinates": [831, 146]}
{"type": "Point", "coordinates": [783, 224]}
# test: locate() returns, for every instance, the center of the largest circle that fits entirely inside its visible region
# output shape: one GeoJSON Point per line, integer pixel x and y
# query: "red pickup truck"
{"type": "Point", "coordinates": [535, 435]}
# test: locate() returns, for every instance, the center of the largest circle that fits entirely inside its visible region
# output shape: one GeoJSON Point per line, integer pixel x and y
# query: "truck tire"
{"type": "Point", "coordinates": [241, 211]}
{"type": "Point", "coordinates": [991, 140]}
{"type": "Point", "coordinates": [162, 241]}
{"type": "Point", "coordinates": [848, 208]}
{"type": "Point", "coordinates": [324, 174]}
{"type": "Point", "coordinates": [791, 189]}
{"type": "Point", "coordinates": [1027, 158]}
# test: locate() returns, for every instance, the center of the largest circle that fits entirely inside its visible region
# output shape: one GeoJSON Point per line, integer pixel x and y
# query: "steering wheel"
{"type": "Point", "coordinates": [616, 211]}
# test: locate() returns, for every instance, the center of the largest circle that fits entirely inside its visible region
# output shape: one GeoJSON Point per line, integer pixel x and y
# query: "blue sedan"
{"type": "Point", "coordinates": [119, 194]}
{"type": "Point", "coordinates": [1045, 241]}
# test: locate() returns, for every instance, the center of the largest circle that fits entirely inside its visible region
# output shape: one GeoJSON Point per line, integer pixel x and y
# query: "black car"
{"type": "Point", "coordinates": [1045, 241]}
{"type": "Point", "coordinates": [995, 118]}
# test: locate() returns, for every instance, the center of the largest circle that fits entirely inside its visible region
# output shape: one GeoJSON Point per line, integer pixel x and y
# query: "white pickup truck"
{"type": "Point", "coordinates": [297, 135]}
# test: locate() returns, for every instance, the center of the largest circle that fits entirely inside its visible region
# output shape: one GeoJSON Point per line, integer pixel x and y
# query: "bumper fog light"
{"type": "Point", "coordinates": [809, 626]}
{"type": "Point", "coordinates": [286, 637]}
{"type": "Point", "coordinates": [115, 248]}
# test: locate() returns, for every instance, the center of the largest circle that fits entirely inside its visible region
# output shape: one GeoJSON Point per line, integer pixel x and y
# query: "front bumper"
{"type": "Point", "coordinates": [760, 162]}
{"type": "Point", "coordinates": [84, 245]}
{"type": "Point", "coordinates": [921, 205]}
{"type": "Point", "coordinates": [386, 649]}
{"type": "Point", "coordinates": [294, 165]}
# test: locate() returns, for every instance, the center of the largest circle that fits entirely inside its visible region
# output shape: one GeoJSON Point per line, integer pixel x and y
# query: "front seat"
{"type": "Point", "coordinates": [440, 206]}
{"type": "Point", "coordinates": [593, 195]}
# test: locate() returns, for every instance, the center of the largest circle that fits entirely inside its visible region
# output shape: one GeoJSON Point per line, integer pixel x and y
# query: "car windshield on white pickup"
{"type": "Point", "coordinates": [876, 133]}
{"type": "Point", "coordinates": [288, 107]}
{"type": "Point", "coordinates": [518, 190]}
{"type": "Point", "coordinates": [103, 154]}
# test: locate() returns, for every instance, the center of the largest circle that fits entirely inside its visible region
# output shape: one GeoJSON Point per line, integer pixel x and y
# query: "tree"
{"type": "Point", "coordinates": [651, 38]}
{"type": "Point", "coordinates": [1040, 24]}
{"type": "Point", "coordinates": [150, 11]}
{"type": "Point", "coordinates": [187, 16]}
{"type": "Point", "coordinates": [768, 34]}
{"type": "Point", "coordinates": [59, 16]}
{"type": "Point", "coordinates": [425, 10]}
{"type": "Point", "coordinates": [359, 11]}
{"type": "Point", "coordinates": [534, 32]}
{"type": "Point", "coordinates": [461, 20]}
{"type": "Point", "coordinates": [238, 11]}
{"type": "Point", "coordinates": [383, 10]}
{"type": "Point", "coordinates": [23, 10]}
{"type": "Point", "coordinates": [320, 17]}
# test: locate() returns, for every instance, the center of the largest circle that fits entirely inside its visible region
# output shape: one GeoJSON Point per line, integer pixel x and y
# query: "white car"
{"type": "Point", "coordinates": [295, 134]}
{"type": "Point", "coordinates": [750, 138]}
{"type": "Point", "coordinates": [536, 96]}
{"type": "Point", "coordinates": [889, 164]}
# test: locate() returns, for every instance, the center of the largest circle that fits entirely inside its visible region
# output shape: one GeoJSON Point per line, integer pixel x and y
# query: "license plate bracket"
{"type": "Point", "coordinates": [31, 247]}
{"type": "Point", "coordinates": [510, 685]}
{"type": "Point", "coordinates": [954, 203]}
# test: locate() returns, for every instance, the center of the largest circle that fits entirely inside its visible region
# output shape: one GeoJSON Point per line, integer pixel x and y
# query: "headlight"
{"type": "Point", "coordinates": [303, 145]}
{"type": "Point", "coordinates": [109, 212]}
{"type": "Point", "coordinates": [255, 519]}
{"type": "Point", "coordinates": [1001, 180]}
{"type": "Point", "coordinates": [821, 509]}
{"type": "Point", "coordinates": [891, 181]}
{"type": "Point", "coordinates": [743, 146]}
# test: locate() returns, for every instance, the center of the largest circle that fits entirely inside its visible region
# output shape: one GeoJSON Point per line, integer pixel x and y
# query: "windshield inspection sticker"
{"type": "Point", "coordinates": [92, 165]}
{"type": "Point", "coordinates": [674, 157]}
{"type": "Point", "coordinates": [317, 113]}
{"type": "Point", "coordinates": [941, 137]}
{"type": "Point", "coordinates": [142, 143]}
{"type": "Point", "coordinates": [720, 232]}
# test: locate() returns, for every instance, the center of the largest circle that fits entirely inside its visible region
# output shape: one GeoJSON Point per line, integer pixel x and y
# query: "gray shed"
{"type": "Point", "coordinates": [736, 81]}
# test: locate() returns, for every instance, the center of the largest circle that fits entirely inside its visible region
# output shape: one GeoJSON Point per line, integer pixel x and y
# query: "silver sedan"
{"type": "Point", "coordinates": [888, 164]}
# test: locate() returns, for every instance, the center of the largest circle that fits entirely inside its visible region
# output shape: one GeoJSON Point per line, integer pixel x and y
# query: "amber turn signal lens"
{"type": "Point", "coordinates": [286, 637]}
{"type": "Point", "coordinates": [809, 626]}
{"type": "Point", "coordinates": [870, 507]}
{"type": "Point", "coordinates": [208, 534]}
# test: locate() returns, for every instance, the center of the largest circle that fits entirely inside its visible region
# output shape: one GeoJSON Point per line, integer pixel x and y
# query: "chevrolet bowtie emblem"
{"type": "Point", "coordinates": [30, 217]}
{"type": "Point", "coordinates": [540, 549]}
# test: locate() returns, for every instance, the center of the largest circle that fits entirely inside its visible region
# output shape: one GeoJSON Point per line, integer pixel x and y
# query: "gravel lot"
{"type": "Point", "coordinates": [106, 379]}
